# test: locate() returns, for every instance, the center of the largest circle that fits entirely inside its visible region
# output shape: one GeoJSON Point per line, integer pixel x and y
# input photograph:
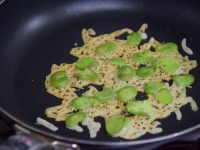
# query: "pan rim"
{"type": "Point", "coordinates": [110, 143]}
{"type": "Point", "coordinates": [103, 143]}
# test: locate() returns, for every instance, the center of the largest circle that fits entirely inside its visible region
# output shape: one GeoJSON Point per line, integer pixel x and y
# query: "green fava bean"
{"type": "Point", "coordinates": [147, 53]}
{"type": "Point", "coordinates": [59, 79]}
{"type": "Point", "coordinates": [126, 93]}
{"type": "Point", "coordinates": [118, 61]}
{"type": "Point", "coordinates": [183, 79]}
{"type": "Point", "coordinates": [134, 38]}
{"type": "Point", "coordinates": [105, 95]}
{"type": "Point", "coordinates": [140, 108]}
{"type": "Point", "coordinates": [125, 73]}
{"type": "Point", "coordinates": [75, 118]}
{"type": "Point", "coordinates": [88, 74]}
{"type": "Point", "coordinates": [167, 48]}
{"type": "Point", "coordinates": [152, 87]}
{"type": "Point", "coordinates": [116, 123]}
{"type": "Point", "coordinates": [84, 62]}
{"type": "Point", "coordinates": [168, 64]}
{"type": "Point", "coordinates": [145, 72]}
{"type": "Point", "coordinates": [164, 96]}
{"type": "Point", "coordinates": [140, 57]}
{"type": "Point", "coordinates": [154, 62]}
{"type": "Point", "coordinates": [83, 102]}
{"type": "Point", "coordinates": [105, 48]}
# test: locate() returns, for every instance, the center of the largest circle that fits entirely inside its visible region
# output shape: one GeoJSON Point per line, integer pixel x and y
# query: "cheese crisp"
{"type": "Point", "coordinates": [138, 124]}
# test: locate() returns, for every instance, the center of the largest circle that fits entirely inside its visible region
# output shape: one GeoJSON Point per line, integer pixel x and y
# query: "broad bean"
{"type": "Point", "coordinates": [125, 73]}
{"type": "Point", "coordinates": [167, 48]}
{"type": "Point", "coordinates": [116, 123]}
{"type": "Point", "coordinates": [168, 64]}
{"type": "Point", "coordinates": [105, 95]}
{"type": "Point", "coordinates": [75, 118]}
{"type": "Point", "coordinates": [154, 62]}
{"type": "Point", "coordinates": [145, 72]}
{"type": "Point", "coordinates": [85, 62]}
{"type": "Point", "coordinates": [134, 38]}
{"type": "Point", "coordinates": [152, 87]}
{"type": "Point", "coordinates": [83, 102]}
{"type": "Point", "coordinates": [140, 108]}
{"type": "Point", "coordinates": [59, 79]}
{"type": "Point", "coordinates": [183, 79]}
{"type": "Point", "coordinates": [118, 61]}
{"type": "Point", "coordinates": [126, 93]}
{"type": "Point", "coordinates": [141, 57]}
{"type": "Point", "coordinates": [164, 96]}
{"type": "Point", "coordinates": [88, 74]}
{"type": "Point", "coordinates": [105, 48]}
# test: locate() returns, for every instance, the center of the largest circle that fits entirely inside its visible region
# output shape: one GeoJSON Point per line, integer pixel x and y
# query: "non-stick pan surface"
{"type": "Point", "coordinates": [36, 34]}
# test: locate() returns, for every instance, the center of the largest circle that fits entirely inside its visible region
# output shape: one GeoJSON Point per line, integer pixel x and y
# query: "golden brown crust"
{"type": "Point", "coordinates": [138, 125]}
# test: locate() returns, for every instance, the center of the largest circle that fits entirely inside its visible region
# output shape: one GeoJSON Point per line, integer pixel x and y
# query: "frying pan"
{"type": "Point", "coordinates": [36, 34]}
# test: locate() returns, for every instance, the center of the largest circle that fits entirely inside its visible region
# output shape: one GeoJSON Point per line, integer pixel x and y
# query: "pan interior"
{"type": "Point", "coordinates": [42, 34]}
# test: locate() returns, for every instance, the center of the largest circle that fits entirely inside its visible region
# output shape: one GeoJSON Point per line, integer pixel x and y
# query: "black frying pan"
{"type": "Point", "coordinates": [36, 34]}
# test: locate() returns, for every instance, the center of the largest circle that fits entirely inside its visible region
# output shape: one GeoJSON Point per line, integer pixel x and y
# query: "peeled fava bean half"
{"type": "Point", "coordinates": [145, 72]}
{"type": "Point", "coordinates": [116, 123]}
{"type": "Point", "coordinates": [167, 48]}
{"type": "Point", "coordinates": [126, 93]}
{"type": "Point", "coordinates": [183, 79]}
{"type": "Point", "coordinates": [141, 57]}
{"type": "Point", "coordinates": [59, 79]}
{"type": "Point", "coordinates": [74, 119]}
{"type": "Point", "coordinates": [105, 95]}
{"type": "Point", "coordinates": [164, 96]}
{"type": "Point", "coordinates": [125, 73]}
{"type": "Point", "coordinates": [105, 48]}
{"type": "Point", "coordinates": [117, 61]}
{"type": "Point", "coordinates": [168, 64]}
{"type": "Point", "coordinates": [153, 62]}
{"type": "Point", "coordinates": [138, 107]}
{"type": "Point", "coordinates": [152, 87]}
{"type": "Point", "coordinates": [85, 62]}
{"type": "Point", "coordinates": [83, 102]}
{"type": "Point", "coordinates": [88, 74]}
{"type": "Point", "coordinates": [134, 38]}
